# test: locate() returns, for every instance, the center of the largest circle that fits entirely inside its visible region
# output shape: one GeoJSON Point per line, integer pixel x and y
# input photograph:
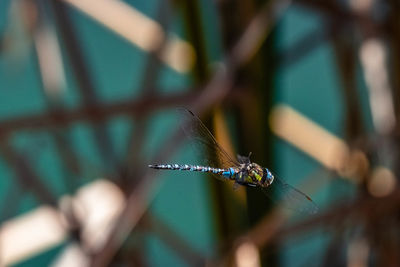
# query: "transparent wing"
{"type": "Point", "coordinates": [292, 198]}
{"type": "Point", "coordinates": [203, 141]}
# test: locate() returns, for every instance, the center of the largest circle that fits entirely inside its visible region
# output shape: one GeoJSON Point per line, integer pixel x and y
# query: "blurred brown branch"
{"type": "Point", "coordinates": [57, 118]}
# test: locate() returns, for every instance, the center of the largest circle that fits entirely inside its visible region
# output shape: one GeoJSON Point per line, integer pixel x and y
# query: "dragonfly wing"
{"type": "Point", "coordinates": [203, 141]}
{"type": "Point", "coordinates": [292, 198]}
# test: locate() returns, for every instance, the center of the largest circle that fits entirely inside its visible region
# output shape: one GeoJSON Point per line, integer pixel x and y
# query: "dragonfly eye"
{"type": "Point", "coordinates": [267, 178]}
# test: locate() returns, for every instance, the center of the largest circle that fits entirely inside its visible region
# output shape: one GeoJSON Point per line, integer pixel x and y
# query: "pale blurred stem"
{"type": "Point", "coordinates": [84, 81]}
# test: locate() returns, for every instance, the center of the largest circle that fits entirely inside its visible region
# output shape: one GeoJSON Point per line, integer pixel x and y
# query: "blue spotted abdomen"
{"type": "Point", "coordinates": [227, 173]}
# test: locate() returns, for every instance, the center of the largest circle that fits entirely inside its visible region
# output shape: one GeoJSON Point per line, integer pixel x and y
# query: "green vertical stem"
{"type": "Point", "coordinates": [224, 220]}
{"type": "Point", "coordinates": [195, 35]}
{"type": "Point", "coordinates": [255, 136]}
{"type": "Point", "coordinates": [345, 50]}
{"type": "Point", "coordinates": [394, 46]}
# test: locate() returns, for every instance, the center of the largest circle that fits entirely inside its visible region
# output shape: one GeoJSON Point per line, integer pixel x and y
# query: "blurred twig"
{"type": "Point", "coordinates": [50, 64]}
{"type": "Point", "coordinates": [84, 80]}
{"type": "Point", "coordinates": [133, 164]}
{"type": "Point", "coordinates": [56, 118]}
{"type": "Point", "coordinates": [180, 246]}
{"type": "Point", "coordinates": [26, 175]}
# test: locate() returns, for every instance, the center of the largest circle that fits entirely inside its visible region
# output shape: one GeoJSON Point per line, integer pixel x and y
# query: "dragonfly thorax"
{"type": "Point", "coordinates": [255, 175]}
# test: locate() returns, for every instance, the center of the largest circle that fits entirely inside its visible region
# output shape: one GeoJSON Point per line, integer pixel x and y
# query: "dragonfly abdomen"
{"type": "Point", "coordinates": [227, 173]}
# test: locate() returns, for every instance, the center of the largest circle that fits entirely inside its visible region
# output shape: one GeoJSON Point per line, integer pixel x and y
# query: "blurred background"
{"type": "Point", "coordinates": [88, 91]}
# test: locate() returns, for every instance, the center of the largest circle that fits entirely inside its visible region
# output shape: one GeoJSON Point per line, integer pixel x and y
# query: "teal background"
{"type": "Point", "coordinates": [310, 86]}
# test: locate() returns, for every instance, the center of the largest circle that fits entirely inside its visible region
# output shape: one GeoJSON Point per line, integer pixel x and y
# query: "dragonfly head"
{"type": "Point", "coordinates": [267, 178]}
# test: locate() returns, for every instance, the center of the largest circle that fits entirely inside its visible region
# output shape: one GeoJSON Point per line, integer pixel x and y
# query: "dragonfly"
{"type": "Point", "coordinates": [241, 170]}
